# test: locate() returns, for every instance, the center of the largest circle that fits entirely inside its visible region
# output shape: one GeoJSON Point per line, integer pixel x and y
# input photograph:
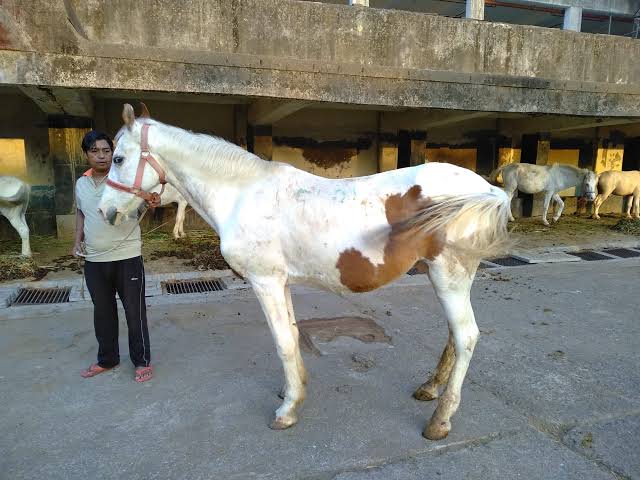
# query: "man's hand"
{"type": "Point", "coordinates": [77, 249]}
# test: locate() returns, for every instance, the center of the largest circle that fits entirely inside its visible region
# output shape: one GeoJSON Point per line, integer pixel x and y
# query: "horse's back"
{"type": "Point", "coordinates": [13, 190]}
{"type": "Point", "coordinates": [619, 182]}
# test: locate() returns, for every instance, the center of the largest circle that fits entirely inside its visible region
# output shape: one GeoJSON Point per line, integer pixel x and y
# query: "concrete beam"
{"type": "Point", "coordinates": [60, 101]}
{"type": "Point", "coordinates": [268, 111]}
{"type": "Point", "coordinates": [572, 19]}
{"type": "Point", "coordinates": [445, 120]}
{"type": "Point", "coordinates": [560, 124]}
{"type": "Point", "coordinates": [609, 7]}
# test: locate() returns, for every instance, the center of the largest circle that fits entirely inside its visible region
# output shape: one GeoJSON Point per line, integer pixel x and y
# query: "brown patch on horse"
{"type": "Point", "coordinates": [404, 246]}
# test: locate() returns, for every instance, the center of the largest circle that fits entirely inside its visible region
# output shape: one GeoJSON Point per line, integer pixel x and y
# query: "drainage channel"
{"type": "Point", "coordinates": [40, 296]}
{"type": "Point", "coordinates": [195, 285]}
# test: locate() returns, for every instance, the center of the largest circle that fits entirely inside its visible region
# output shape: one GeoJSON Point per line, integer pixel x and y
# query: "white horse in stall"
{"type": "Point", "coordinates": [279, 225]}
{"type": "Point", "coordinates": [550, 179]}
{"type": "Point", "coordinates": [171, 195]}
{"type": "Point", "coordinates": [14, 200]}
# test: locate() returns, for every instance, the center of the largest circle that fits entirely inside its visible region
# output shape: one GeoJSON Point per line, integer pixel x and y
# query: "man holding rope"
{"type": "Point", "coordinates": [113, 263]}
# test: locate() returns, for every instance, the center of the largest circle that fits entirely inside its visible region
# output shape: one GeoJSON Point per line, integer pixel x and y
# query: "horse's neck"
{"type": "Point", "coordinates": [210, 179]}
{"type": "Point", "coordinates": [569, 176]}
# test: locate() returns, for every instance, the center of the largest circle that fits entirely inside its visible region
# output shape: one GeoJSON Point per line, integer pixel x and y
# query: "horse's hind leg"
{"type": "Point", "coordinates": [560, 207]}
{"type": "Point", "coordinates": [272, 297]}
{"type": "Point", "coordinates": [429, 389]}
{"type": "Point", "coordinates": [16, 217]}
{"type": "Point", "coordinates": [635, 199]}
{"type": "Point", "coordinates": [510, 190]}
{"type": "Point", "coordinates": [452, 277]}
{"type": "Point", "coordinates": [302, 371]}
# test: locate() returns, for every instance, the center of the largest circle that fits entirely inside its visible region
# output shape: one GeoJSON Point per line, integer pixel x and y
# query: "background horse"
{"type": "Point", "coordinates": [619, 183]}
{"type": "Point", "coordinates": [529, 178]}
{"type": "Point", "coordinates": [14, 200]}
{"type": "Point", "coordinates": [279, 225]}
{"type": "Point", "coordinates": [171, 195]}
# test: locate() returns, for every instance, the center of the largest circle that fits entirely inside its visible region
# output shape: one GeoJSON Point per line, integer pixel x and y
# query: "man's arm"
{"type": "Point", "coordinates": [79, 237]}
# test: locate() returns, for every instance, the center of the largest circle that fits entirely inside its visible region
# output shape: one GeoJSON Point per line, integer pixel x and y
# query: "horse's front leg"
{"type": "Point", "coordinates": [636, 204]}
{"type": "Point", "coordinates": [452, 283]}
{"type": "Point", "coordinates": [296, 336]}
{"type": "Point", "coordinates": [178, 229]}
{"type": "Point", "coordinates": [545, 210]}
{"type": "Point", "coordinates": [560, 204]}
{"type": "Point", "coordinates": [272, 297]}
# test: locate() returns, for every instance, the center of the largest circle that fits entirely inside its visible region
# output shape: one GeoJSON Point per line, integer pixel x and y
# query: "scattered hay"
{"type": "Point", "coordinates": [628, 226]}
{"type": "Point", "coordinates": [14, 267]}
{"type": "Point", "coordinates": [202, 248]}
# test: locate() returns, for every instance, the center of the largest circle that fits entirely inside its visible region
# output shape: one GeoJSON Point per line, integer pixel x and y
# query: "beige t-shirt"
{"type": "Point", "coordinates": [99, 236]}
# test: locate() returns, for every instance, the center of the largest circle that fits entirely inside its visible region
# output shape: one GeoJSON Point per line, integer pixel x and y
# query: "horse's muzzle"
{"type": "Point", "coordinates": [111, 215]}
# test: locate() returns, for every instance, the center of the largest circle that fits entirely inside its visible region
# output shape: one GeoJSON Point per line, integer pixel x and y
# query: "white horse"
{"type": "Point", "coordinates": [171, 195]}
{"type": "Point", "coordinates": [279, 225]}
{"type": "Point", "coordinates": [14, 200]}
{"type": "Point", "coordinates": [529, 178]}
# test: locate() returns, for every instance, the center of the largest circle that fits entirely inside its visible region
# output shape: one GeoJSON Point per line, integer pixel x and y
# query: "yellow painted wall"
{"type": "Point", "coordinates": [13, 159]}
{"type": "Point", "coordinates": [463, 157]}
{"type": "Point", "coordinates": [609, 159]}
{"type": "Point", "coordinates": [388, 158]}
{"type": "Point", "coordinates": [508, 155]}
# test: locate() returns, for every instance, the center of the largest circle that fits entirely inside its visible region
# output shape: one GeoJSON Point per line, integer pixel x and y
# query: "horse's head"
{"type": "Point", "coordinates": [589, 186]}
{"type": "Point", "coordinates": [134, 171]}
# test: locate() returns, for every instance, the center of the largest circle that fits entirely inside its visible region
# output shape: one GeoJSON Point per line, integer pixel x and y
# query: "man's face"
{"type": "Point", "coordinates": [99, 157]}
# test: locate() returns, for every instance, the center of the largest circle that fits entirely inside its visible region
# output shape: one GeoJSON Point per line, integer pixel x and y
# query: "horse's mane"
{"type": "Point", "coordinates": [216, 153]}
{"type": "Point", "coordinates": [578, 170]}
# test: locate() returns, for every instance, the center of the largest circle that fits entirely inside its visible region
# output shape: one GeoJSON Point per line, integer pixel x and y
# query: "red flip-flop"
{"type": "Point", "coordinates": [143, 374]}
{"type": "Point", "coordinates": [94, 370]}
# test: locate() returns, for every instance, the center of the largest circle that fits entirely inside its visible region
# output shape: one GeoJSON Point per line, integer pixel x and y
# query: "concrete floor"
{"type": "Point", "coordinates": [553, 390]}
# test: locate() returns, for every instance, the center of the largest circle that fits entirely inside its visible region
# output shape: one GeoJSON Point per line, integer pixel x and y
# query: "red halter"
{"type": "Point", "coordinates": [152, 198]}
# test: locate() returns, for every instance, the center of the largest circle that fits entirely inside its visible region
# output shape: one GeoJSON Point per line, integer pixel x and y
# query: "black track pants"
{"type": "Point", "coordinates": [126, 277]}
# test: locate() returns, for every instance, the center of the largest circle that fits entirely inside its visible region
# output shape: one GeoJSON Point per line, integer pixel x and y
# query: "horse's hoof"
{"type": "Point", "coordinates": [436, 430]}
{"type": "Point", "coordinates": [282, 423]}
{"type": "Point", "coordinates": [425, 394]}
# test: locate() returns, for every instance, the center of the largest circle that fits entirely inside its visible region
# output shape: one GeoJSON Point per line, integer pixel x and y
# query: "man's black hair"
{"type": "Point", "coordinates": [92, 137]}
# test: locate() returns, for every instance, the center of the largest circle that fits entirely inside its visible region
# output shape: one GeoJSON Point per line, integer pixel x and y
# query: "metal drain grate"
{"type": "Point", "coordinates": [508, 262]}
{"type": "Point", "coordinates": [176, 287]}
{"type": "Point", "coordinates": [622, 252]}
{"type": "Point", "coordinates": [589, 256]}
{"type": "Point", "coordinates": [41, 296]}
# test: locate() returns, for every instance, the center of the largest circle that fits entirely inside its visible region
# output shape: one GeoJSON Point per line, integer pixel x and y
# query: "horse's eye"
{"type": "Point", "coordinates": [118, 160]}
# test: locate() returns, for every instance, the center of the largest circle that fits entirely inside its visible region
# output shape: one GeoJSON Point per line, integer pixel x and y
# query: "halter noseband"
{"type": "Point", "coordinates": [152, 198]}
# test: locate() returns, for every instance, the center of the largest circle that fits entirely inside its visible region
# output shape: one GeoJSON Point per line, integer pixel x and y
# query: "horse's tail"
{"type": "Point", "coordinates": [493, 178]}
{"type": "Point", "coordinates": [473, 224]}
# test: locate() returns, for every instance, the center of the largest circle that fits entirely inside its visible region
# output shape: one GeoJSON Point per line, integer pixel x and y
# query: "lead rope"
{"type": "Point", "coordinates": [81, 255]}
{"type": "Point", "coordinates": [84, 256]}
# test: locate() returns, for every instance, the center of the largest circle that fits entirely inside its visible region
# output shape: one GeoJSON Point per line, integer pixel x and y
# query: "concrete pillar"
{"type": "Point", "coordinates": [542, 153]}
{"type": "Point", "coordinates": [240, 125]}
{"type": "Point", "coordinates": [418, 146]}
{"type": "Point", "coordinates": [572, 19]}
{"type": "Point", "coordinates": [65, 138]}
{"type": "Point", "coordinates": [260, 141]}
{"type": "Point", "coordinates": [388, 155]}
{"type": "Point", "coordinates": [475, 9]}
{"type": "Point", "coordinates": [363, 3]}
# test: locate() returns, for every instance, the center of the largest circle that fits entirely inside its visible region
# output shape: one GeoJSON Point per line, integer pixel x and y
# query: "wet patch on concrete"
{"type": "Point", "coordinates": [327, 329]}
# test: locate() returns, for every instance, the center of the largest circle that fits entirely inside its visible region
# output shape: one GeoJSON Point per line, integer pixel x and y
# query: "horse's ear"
{"type": "Point", "coordinates": [144, 111]}
{"type": "Point", "coordinates": [128, 116]}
